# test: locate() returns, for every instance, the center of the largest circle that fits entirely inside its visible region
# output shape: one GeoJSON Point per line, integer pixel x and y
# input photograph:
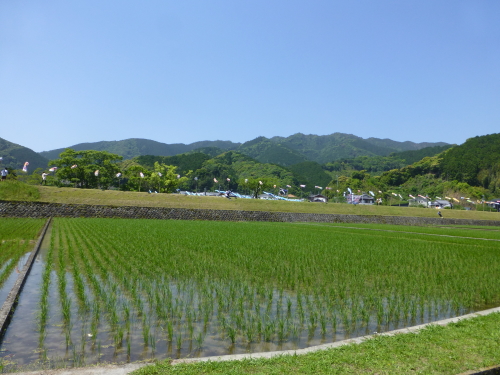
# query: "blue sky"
{"type": "Point", "coordinates": [187, 71]}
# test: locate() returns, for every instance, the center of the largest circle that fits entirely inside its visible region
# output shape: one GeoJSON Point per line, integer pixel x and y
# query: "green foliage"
{"type": "Point", "coordinates": [237, 167]}
{"type": "Point", "coordinates": [266, 151]}
{"type": "Point", "coordinates": [256, 186]}
{"type": "Point", "coordinates": [130, 148]}
{"type": "Point", "coordinates": [465, 162]}
{"type": "Point", "coordinates": [327, 148]}
{"type": "Point", "coordinates": [135, 176]}
{"type": "Point", "coordinates": [413, 156]}
{"type": "Point", "coordinates": [312, 172]}
{"type": "Point", "coordinates": [183, 162]}
{"type": "Point", "coordinates": [12, 190]}
{"type": "Point", "coordinates": [165, 179]}
{"type": "Point", "coordinates": [87, 169]}
{"type": "Point", "coordinates": [378, 164]}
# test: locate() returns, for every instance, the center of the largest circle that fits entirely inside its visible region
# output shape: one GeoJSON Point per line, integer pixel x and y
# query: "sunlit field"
{"type": "Point", "coordinates": [112, 290]}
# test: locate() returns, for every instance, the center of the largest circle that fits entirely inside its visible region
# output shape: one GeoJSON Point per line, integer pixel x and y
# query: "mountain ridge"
{"type": "Point", "coordinates": [285, 151]}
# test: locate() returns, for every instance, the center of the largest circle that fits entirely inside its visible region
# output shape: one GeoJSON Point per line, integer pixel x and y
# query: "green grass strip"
{"type": "Point", "coordinates": [469, 344]}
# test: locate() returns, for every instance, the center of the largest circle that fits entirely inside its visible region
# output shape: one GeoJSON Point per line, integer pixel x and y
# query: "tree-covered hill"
{"type": "Point", "coordinates": [277, 150]}
{"type": "Point", "coordinates": [313, 173]}
{"type": "Point", "coordinates": [266, 151]}
{"type": "Point", "coordinates": [476, 162]}
{"type": "Point", "coordinates": [378, 164]}
{"type": "Point", "coordinates": [14, 156]}
{"type": "Point", "coordinates": [327, 148]}
{"type": "Point", "coordinates": [130, 148]}
{"type": "Point", "coordinates": [402, 146]}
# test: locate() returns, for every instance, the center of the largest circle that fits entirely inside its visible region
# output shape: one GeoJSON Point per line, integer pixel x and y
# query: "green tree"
{"type": "Point", "coordinates": [165, 178]}
{"type": "Point", "coordinates": [87, 168]}
{"type": "Point", "coordinates": [257, 186]}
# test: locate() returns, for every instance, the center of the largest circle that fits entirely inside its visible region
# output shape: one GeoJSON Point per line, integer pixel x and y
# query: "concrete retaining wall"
{"type": "Point", "coordinates": [46, 210]}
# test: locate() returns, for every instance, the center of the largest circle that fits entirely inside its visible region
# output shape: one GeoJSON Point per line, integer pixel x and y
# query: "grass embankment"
{"type": "Point", "coordinates": [470, 344]}
{"type": "Point", "coordinates": [18, 191]}
{"type": "Point", "coordinates": [120, 198]}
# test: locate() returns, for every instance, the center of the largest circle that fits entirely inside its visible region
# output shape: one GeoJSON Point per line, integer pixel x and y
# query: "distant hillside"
{"type": "Point", "coordinates": [476, 162]}
{"type": "Point", "coordinates": [287, 151]}
{"type": "Point", "coordinates": [412, 156]}
{"type": "Point", "coordinates": [14, 156]}
{"type": "Point", "coordinates": [378, 164]}
{"type": "Point", "coordinates": [402, 146]}
{"type": "Point", "coordinates": [130, 148]}
{"type": "Point", "coordinates": [267, 151]}
{"type": "Point", "coordinates": [327, 148]}
{"type": "Point", "coordinates": [312, 172]}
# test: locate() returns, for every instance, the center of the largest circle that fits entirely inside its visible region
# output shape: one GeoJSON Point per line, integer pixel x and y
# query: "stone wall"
{"type": "Point", "coordinates": [45, 210]}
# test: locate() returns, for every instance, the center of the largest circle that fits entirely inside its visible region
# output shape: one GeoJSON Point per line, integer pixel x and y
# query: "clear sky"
{"type": "Point", "coordinates": [187, 71]}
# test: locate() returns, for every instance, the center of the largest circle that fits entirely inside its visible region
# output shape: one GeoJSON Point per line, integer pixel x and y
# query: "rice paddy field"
{"type": "Point", "coordinates": [113, 290]}
{"type": "Point", "coordinates": [17, 239]}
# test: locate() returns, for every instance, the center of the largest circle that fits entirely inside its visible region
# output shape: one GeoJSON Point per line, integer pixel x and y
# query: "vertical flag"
{"type": "Point", "coordinates": [25, 167]}
{"type": "Point", "coordinates": [96, 173]}
{"type": "Point", "coordinates": [141, 174]}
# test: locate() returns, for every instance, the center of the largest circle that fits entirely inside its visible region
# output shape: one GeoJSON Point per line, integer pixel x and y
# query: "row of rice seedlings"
{"type": "Point", "coordinates": [44, 294]}
{"type": "Point", "coordinates": [16, 239]}
{"type": "Point", "coordinates": [19, 228]}
{"type": "Point", "coordinates": [13, 253]}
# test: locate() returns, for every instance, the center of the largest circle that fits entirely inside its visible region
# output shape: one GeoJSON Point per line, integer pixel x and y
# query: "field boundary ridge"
{"type": "Point", "coordinates": [46, 210]}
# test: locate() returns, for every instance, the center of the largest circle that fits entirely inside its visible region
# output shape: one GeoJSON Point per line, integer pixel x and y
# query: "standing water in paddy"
{"type": "Point", "coordinates": [126, 290]}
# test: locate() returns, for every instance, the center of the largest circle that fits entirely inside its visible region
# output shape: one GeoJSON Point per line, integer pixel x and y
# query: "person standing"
{"type": "Point", "coordinates": [44, 178]}
{"type": "Point", "coordinates": [4, 172]}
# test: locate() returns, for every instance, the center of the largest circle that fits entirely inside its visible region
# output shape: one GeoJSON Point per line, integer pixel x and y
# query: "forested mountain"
{"type": "Point", "coordinates": [312, 172]}
{"type": "Point", "coordinates": [133, 147]}
{"type": "Point", "coordinates": [278, 150]}
{"type": "Point", "coordinates": [267, 151]}
{"type": "Point", "coordinates": [402, 146]}
{"type": "Point", "coordinates": [14, 156]}
{"type": "Point", "coordinates": [327, 148]}
{"type": "Point", "coordinates": [472, 168]}
{"type": "Point", "coordinates": [476, 162]}
{"type": "Point", "coordinates": [378, 164]}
